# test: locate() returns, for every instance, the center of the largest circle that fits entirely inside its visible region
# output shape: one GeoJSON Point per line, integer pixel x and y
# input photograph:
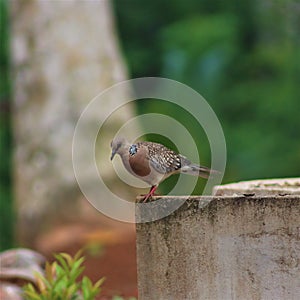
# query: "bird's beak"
{"type": "Point", "coordinates": [113, 153]}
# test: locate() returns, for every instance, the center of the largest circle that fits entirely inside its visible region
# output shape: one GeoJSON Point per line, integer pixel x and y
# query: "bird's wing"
{"type": "Point", "coordinates": [162, 159]}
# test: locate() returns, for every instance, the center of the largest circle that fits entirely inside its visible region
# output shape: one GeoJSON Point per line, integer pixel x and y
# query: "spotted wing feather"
{"type": "Point", "coordinates": [162, 159]}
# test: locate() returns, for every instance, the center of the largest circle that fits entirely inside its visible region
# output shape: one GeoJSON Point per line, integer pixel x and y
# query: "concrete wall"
{"type": "Point", "coordinates": [223, 247]}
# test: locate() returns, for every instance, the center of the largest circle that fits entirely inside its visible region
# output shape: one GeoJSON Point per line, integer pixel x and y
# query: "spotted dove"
{"type": "Point", "coordinates": [153, 162]}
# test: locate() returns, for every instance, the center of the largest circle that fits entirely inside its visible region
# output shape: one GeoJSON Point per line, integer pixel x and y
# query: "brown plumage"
{"type": "Point", "coordinates": [153, 162]}
{"type": "Point", "coordinates": [139, 162]}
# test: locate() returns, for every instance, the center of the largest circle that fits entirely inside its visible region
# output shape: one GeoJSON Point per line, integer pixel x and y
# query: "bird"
{"type": "Point", "coordinates": [154, 162]}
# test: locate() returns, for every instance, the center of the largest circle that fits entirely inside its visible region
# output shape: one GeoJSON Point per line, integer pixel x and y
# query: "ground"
{"type": "Point", "coordinates": [109, 248]}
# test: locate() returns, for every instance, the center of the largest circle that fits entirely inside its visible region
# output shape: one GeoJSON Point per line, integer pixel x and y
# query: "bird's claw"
{"type": "Point", "coordinates": [146, 198]}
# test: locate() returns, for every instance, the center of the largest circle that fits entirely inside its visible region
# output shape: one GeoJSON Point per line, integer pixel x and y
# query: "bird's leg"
{"type": "Point", "coordinates": [151, 193]}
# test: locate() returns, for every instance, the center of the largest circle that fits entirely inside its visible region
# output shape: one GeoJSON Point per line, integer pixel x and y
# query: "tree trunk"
{"type": "Point", "coordinates": [64, 54]}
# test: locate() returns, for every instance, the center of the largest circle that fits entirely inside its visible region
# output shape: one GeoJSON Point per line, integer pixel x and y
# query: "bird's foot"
{"type": "Point", "coordinates": [149, 195]}
{"type": "Point", "coordinates": [155, 194]}
{"type": "Point", "coordinates": [147, 198]}
{"type": "Point", "coordinates": [144, 198]}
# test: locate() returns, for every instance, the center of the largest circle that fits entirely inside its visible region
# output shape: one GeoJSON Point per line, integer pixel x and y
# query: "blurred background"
{"type": "Point", "coordinates": [243, 57]}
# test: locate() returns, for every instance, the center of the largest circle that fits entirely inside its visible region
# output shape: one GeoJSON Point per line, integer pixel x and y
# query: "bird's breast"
{"type": "Point", "coordinates": [139, 165]}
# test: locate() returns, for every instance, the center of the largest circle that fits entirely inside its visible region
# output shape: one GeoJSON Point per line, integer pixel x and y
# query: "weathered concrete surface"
{"type": "Point", "coordinates": [230, 247]}
{"type": "Point", "coordinates": [280, 187]}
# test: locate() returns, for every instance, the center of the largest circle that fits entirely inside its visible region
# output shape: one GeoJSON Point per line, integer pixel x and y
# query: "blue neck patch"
{"type": "Point", "coordinates": [133, 149]}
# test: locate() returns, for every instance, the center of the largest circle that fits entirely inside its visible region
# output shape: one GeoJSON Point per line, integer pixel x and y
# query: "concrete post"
{"type": "Point", "coordinates": [242, 246]}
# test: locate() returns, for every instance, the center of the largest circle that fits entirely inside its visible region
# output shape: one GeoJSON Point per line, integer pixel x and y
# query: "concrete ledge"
{"type": "Point", "coordinates": [280, 187]}
{"type": "Point", "coordinates": [223, 247]}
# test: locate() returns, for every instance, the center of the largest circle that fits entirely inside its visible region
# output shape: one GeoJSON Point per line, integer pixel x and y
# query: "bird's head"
{"type": "Point", "coordinates": [117, 145]}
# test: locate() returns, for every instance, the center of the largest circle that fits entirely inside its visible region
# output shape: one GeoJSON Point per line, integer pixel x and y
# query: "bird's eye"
{"type": "Point", "coordinates": [133, 149]}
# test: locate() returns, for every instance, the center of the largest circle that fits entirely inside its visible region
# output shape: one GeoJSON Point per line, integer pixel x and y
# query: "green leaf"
{"type": "Point", "coordinates": [99, 282]}
{"type": "Point", "coordinates": [75, 274]}
{"type": "Point", "coordinates": [78, 254]}
{"type": "Point", "coordinates": [32, 295]}
{"type": "Point", "coordinates": [49, 271]}
{"type": "Point", "coordinates": [29, 287]}
{"type": "Point", "coordinates": [86, 283]}
{"type": "Point", "coordinates": [71, 291]}
{"type": "Point", "coordinates": [76, 269]}
{"type": "Point", "coordinates": [85, 289]}
{"type": "Point", "coordinates": [68, 258]}
{"type": "Point", "coordinates": [62, 262]}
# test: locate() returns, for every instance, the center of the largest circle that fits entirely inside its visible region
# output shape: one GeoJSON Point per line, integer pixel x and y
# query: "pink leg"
{"type": "Point", "coordinates": [151, 193]}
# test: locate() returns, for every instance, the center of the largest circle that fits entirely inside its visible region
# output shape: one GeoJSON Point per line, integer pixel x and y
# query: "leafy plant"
{"type": "Point", "coordinates": [60, 281]}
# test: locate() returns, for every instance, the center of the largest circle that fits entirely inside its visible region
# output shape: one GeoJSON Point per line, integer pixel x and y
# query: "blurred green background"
{"type": "Point", "coordinates": [6, 200]}
{"type": "Point", "coordinates": [242, 56]}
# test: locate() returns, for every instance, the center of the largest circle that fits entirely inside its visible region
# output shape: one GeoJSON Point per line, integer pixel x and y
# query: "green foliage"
{"type": "Point", "coordinates": [61, 281]}
{"type": "Point", "coordinates": [202, 62]}
{"type": "Point", "coordinates": [242, 56]}
{"type": "Point", "coordinates": [6, 206]}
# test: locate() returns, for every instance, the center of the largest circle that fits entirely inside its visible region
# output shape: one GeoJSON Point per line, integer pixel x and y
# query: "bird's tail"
{"type": "Point", "coordinates": [196, 170]}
